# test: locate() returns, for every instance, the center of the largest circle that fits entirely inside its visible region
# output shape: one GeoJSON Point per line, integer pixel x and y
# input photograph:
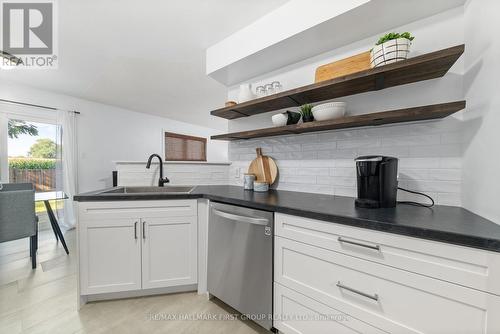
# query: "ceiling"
{"type": "Point", "coordinates": [146, 56]}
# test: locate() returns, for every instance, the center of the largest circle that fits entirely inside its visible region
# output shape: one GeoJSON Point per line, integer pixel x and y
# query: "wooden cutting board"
{"type": "Point", "coordinates": [264, 168]}
{"type": "Point", "coordinates": [343, 67]}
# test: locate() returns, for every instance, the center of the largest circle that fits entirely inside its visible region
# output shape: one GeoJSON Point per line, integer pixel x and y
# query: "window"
{"type": "Point", "coordinates": [185, 148]}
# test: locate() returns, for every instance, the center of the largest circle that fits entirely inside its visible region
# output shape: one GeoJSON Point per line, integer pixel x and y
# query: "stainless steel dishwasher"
{"type": "Point", "coordinates": [240, 260]}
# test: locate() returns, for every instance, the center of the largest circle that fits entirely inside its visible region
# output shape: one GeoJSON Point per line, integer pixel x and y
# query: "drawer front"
{"type": "Point", "coordinates": [298, 314]}
{"type": "Point", "coordinates": [394, 300]}
{"type": "Point", "coordinates": [143, 209]}
{"type": "Point", "coordinates": [461, 265]}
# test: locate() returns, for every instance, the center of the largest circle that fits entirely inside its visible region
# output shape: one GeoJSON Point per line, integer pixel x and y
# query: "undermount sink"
{"type": "Point", "coordinates": [149, 190]}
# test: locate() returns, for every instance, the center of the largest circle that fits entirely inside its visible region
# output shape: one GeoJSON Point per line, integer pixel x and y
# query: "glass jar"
{"type": "Point", "coordinates": [277, 87]}
{"type": "Point", "coordinates": [248, 181]}
{"type": "Point", "coordinates": [269, 89]}
{"type": "Point", "coordinates": [260, 91]}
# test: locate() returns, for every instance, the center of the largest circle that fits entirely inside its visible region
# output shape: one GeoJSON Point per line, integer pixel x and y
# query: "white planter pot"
{"type": "Point", "coordinates": [390, 52]}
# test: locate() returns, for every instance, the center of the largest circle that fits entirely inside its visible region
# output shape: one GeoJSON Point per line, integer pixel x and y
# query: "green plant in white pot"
{"type": "Point", "coordinates": [390, 48]}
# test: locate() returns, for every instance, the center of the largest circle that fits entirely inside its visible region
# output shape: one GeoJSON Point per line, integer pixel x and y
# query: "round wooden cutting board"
{"type": "Point", "coordinates": [264, 168]}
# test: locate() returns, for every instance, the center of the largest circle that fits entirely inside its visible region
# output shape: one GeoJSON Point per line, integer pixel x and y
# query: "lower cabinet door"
{"type": "Point", "coordinates": [169, 251]}
{"type": "Point", "coordinates": [296, 313]}
{"type": "Point", "coordinates": [110, 255]}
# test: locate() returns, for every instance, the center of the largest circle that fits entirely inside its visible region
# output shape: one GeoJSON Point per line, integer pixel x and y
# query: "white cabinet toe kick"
{"type": "Point", "coordinates": [136, 248]}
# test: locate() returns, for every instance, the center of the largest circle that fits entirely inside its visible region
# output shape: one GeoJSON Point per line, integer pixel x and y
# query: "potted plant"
{"type": "Point", "coordinates": [390, 48]}
{"type": "Point", "coordinates": [306, 112]}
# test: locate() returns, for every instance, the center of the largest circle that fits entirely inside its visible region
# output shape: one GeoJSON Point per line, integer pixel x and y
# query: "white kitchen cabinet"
{"type": "Point", "coordinates": [474, 268]}
{"type": "Point", "coordinates": [169, 251]}
{"type": "Point", "coordinates": [128, 246]}
{"type": "Point", "coordinates": [315, 275]}
{"type": "Point", "coordinates": [110, 256]}
{"type": "Point", "coordinates": [305, 315]}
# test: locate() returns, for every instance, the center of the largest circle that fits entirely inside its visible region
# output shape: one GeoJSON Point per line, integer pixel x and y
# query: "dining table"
{"type": "Point", "coordinates": [46, 197]}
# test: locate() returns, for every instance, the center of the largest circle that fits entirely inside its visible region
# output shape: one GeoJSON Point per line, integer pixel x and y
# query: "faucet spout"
{"type": "Point", "coordinates": [162, 180]}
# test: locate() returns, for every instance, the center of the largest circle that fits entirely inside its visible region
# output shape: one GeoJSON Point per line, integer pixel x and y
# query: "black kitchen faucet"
{"type": "Point", "coordinates": [162, 180]}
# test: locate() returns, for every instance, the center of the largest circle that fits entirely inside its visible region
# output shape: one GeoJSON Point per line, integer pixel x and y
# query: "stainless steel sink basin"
{"type": "Point", "coordinates": [150, 190]}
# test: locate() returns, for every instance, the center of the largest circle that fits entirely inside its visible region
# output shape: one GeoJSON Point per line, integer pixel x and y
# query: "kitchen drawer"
{"type": "Point", "coordinates": [394, 300]}
{"type": "Point", "coordinates": [469, 267]}
{"type": "Point", "coordinates": [296, 313]}
{"type": "Point", "coordinates": [141, 209]}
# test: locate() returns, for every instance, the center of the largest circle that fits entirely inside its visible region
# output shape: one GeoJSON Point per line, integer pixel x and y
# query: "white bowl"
{"type": "Point", "coordinates": [279, 120]}
{"type": "Point", "coordinates": [328, 113]}
{"type": "Point", "coordinates": [329, 105]}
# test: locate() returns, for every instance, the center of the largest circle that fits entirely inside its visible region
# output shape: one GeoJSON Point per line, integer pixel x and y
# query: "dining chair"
{"type": "Point", "coordinates": [17, 215]}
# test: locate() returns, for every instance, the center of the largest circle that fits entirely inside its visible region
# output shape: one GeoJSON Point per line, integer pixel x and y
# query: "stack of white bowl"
{"type": "Point", "coordinates": [331, 110]}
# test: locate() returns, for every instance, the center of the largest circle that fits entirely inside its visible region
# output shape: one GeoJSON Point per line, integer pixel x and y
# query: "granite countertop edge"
{"type": "Point", "coordinates": [440, 235]}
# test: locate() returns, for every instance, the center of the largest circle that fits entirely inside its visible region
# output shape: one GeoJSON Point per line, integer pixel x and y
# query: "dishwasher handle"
{"type": "Point", "coordinates": [239, 218]}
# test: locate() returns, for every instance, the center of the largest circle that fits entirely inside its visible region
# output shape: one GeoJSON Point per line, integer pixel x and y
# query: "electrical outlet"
{"type": "Point", "coordinates": [237, 173]}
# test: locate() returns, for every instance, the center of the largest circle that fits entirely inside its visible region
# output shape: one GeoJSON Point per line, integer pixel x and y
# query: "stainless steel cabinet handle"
{"type": "Point", "coordinates": [238, 218]}
{"type": "Point", "coordinates": [361, 293]}
{"type": "Point", "coordinates": [135, 230]}
{"type": "Point", "coordinates": [375, 247]}
{"type": "Point", "coordinates": [144, 230]}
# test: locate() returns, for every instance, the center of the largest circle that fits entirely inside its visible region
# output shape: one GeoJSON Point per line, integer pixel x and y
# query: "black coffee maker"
{"type": "Point", "coordinates": [377, 181]}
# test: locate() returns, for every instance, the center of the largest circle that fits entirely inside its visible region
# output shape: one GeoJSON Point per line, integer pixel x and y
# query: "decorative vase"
{"type": "Point", "coordinates": [308, 118]}
{"type": "Point", "coordinates": [390, 52]}
{"type": "Point", "coordinates": [293, 117]}
{"type": "Point", "coordinates": [245, 93]}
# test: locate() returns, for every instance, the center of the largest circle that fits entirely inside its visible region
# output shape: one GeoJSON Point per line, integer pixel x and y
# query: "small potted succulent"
{"type": "Point", "coordinates": [306, 112]}
{"type": "Point", "coordinates": [390, 48]}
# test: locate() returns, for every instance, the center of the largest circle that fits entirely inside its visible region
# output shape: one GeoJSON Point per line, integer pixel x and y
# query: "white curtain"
{"type": "Point", "coordinates": [67, 124]}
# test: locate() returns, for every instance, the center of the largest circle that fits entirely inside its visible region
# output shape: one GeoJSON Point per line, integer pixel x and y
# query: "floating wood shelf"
{"type": "Point", "coordinates": [424, 67]}
{"type": "Point", "coordinates": [379, 118]}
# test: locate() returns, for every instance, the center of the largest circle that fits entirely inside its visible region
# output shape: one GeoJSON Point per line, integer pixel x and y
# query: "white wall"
{"type": "Point", "coordinates": [481, 182]}
{"type": "Point", "coordinates": [430, 152]}
{"type": "Point", "coordinates": [107, 133]}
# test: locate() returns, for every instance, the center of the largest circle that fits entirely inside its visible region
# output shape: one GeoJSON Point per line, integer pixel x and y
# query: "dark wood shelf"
{"type": "Point", "coordinates": [435, 111]}
{"type": "Point", "coordinates": [424, 67]}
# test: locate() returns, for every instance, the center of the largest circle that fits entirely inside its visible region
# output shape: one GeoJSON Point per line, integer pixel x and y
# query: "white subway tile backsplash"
{"type": "Point", "coordinates": [314, 163]}
{"type": "Point", "coordinates": [445, 174]}
{"type": "Point", "coordinates": [429, 158]}
{"type": "Point", "coordinates": [453, 199]}
{"type": "Point", "coordinates": [288, 171]}
{"type": "Point", "coordinates": [287, 148]}
{"type": "Point", "coordinates": [432, 186]}
{"type": "Point", "coordinates": [450, 162]}
{"type": "Point", "coordinates": [298, 179]}
{"type": "Point", "coordinates": [358, 143]}
{"type": "Point", "coordinates": [418, 163]}
{"type": "Point", "coordinates": [348, 163]}
{"type": "Point", "coordinates": [413, 174]}
{"type": "Point", "coordinates": [448, 150]}
{"type": "Point", "coordinates": [345, 191]}
{"type": "Point", "coordinates": [344, 172]}
{"type": "Point", "coordinates": [319, 146]}
{"type": "Point", "coordinates": [314, 171]}
{"type": "Point", "coordinates": [411, 140]}
{"type": "Point", "coordinates": [392, 151]}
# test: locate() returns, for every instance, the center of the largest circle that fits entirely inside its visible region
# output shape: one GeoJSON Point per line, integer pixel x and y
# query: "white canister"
{"type": "Point", "coordinates": [245, 93]}
{"type": "Point", "coordinates": [260, 186]}
{"type": "Point", "coordinates": [248, 181]}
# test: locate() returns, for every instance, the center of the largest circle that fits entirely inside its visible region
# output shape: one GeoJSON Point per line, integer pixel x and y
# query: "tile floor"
{"type": "Point", "coordinates": [44, 300]}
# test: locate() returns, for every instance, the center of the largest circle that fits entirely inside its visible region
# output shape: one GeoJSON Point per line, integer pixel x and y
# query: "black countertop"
{"type": "Point", "coordinates": [441, 223]}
